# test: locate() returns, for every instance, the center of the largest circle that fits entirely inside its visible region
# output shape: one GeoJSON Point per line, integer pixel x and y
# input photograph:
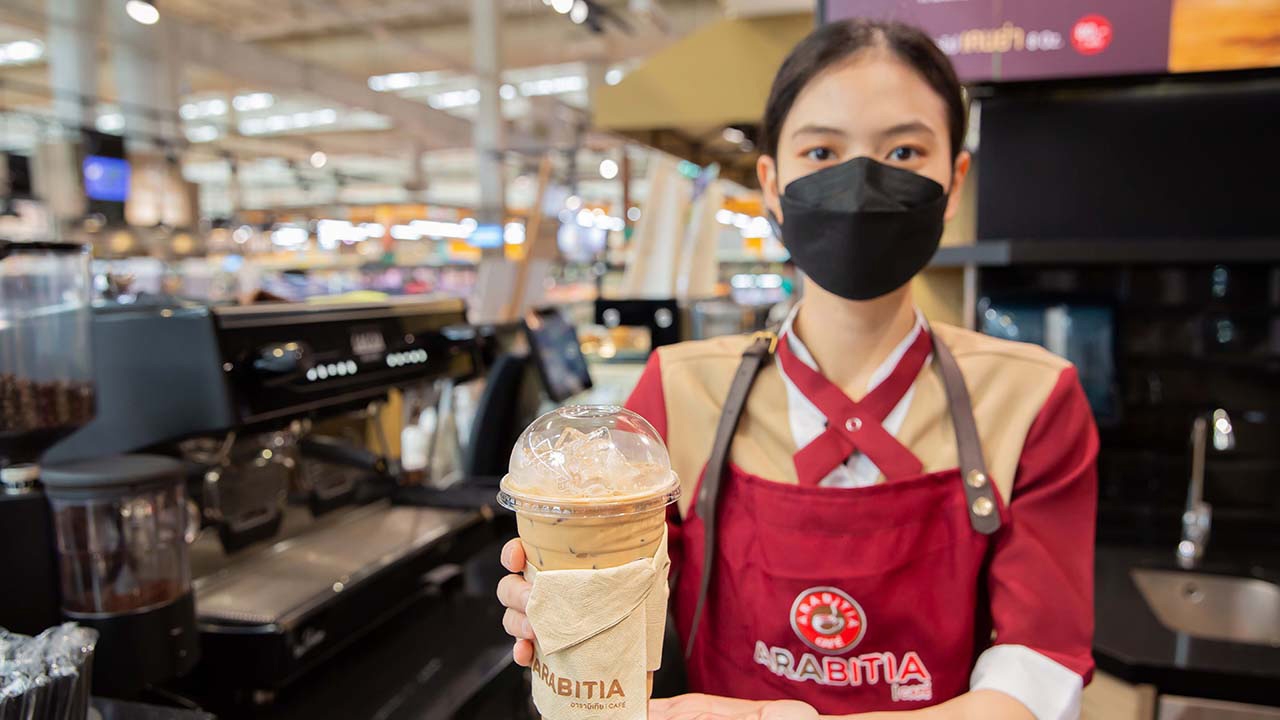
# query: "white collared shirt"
{"type": "Point", "coordinates": [808, 422]}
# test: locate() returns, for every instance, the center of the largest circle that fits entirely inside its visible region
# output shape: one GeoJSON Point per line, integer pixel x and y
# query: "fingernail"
{"type": "Point", "coordinates": [524, 598]}
{"type": "Point", "coordinates": [506, 557]}
{"type": "Point", "coordinates": [526, 628]}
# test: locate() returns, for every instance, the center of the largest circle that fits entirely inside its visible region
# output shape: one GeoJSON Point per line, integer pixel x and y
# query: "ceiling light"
{"type": "Point", "coordinates": [758, 227]}
{"type": "Point", "coordinates": [404, 232]}
{"type": "Point", "coordinates": [318, 159]}
{"type": "Point", "coordinates": [202, 133]}
{"type": "Point", "coordinates": [733, 135]}
{"type": "Point", "coordinates": [395, 81]}
{"type": "Point", "coordinates": [633, 214]}
{"type": "Point", "coordinates": [573, 202]}
{"type": "Point", "coordinates": [203, 108]}
{"type": "Point", "coordinates": [614, 76]}
{"type": "Point", "coordinates": [513, 233]}
{"type": "Point", "coordinates": [21, 51]}
{"type": "Point", "coordinates": [110, 122]}
{"type": "Point", "coordinates": [508, 92]}
{"type": "Point", "coordinates": [608, 169]}
{"type": "Point", "coordinates": [253, 101]}
{"type": "Point", "coordinates": [562, 6]}
{"type": "Point", "coordinates": [454, 99]}
{"type": "Point", "coordinates": [142, 11]}
{"type": "Point", "coordinates": [289, 236]}
{"type": "Point", "coordinates": [579, 12]}
{"type": "Point", "coordinates": [553, 86]}
{"type": "Point", "coordinates": [440, 229]}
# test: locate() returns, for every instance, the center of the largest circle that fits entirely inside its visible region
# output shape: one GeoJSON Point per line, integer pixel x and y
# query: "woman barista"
{"type": "Point", "coordinates": [880, 513]}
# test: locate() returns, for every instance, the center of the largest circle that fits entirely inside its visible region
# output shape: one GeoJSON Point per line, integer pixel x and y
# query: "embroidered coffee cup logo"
{"type": "Point", "coordinates": [828, 620]}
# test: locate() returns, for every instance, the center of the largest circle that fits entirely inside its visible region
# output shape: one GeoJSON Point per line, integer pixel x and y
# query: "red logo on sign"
{"type": "Point", "coordinates": [828, 620]}
{"type": "Point", "coordinates": [1091, 34]}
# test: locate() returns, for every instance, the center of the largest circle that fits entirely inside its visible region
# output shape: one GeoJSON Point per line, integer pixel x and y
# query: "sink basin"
{"type": "Point", "coordinates": [1213, 607]}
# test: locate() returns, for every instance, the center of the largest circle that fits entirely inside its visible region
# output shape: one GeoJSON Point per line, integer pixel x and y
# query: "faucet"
{"type": "Point", "coordinates": [1198, 516]}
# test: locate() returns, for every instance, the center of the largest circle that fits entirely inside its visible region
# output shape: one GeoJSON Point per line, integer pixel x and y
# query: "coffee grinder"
{"type": "Point", "coordinates": [46, 392]}
{"type": "Point", "coordinates": [123, 525]}
{"type": "Point", "coordinates": [102, 542]}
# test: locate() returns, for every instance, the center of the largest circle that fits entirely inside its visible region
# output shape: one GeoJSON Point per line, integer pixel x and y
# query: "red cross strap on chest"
{"type": "Point", "coordinates": [855, 426]}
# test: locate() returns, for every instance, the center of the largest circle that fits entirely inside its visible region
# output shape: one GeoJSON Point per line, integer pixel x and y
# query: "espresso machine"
{"type": "Point", "coordinates": [296, 547]}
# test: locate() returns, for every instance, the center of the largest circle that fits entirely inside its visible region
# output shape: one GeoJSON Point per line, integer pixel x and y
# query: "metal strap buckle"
{"type": "Point", "coordinates": [763, 335]}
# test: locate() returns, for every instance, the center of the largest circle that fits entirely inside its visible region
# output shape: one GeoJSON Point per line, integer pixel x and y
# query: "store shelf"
{"type": "Point", "coordinates": [727, 259]}
{"type": "Point", "coordinates": [996, 253]}
{"type": "Point", "coordinates": [366, 265]}
{"type": "Point", "coordinates": [307, 262]}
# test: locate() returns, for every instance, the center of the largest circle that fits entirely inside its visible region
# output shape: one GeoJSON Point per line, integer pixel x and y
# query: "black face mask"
{"type": "Point", "coordinates": [862, 229]}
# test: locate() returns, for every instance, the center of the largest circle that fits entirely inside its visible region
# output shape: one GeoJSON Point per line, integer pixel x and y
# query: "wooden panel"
{"type": "Point", "coordinates": [1109, 698]}
{"type": "Point", "coordinates": [719, 75]}
{"type": "Point", "coordinates": [939, 293]}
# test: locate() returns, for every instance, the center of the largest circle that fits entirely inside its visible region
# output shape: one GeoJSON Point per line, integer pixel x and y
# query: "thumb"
{"type": "Point", "coordinates": [788, 710]}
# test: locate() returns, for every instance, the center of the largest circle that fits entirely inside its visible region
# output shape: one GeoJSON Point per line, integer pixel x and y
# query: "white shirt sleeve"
{"type": "Point", "coordinates": [1050, 690]}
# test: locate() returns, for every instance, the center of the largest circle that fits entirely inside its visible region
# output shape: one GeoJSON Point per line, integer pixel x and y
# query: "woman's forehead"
{"type": "Point", "coordinates": [868, 93]}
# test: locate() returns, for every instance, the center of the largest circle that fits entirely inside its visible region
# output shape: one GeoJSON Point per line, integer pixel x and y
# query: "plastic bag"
{"type": "Point", "coordinates": [46, 677]}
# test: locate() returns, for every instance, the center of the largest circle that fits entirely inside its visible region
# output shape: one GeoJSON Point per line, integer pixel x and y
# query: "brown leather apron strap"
{"type": "Point", "coordinates": [752, 360]}
{"type": "Point", "coordinates": [979, 492]}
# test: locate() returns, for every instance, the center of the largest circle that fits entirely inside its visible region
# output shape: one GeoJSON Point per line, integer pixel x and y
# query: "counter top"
{"type": "Point", "coordinates": [108, 709]}
{"type": "Point", "coordinates": [441, 658]}
{"type": "Point", "coordinates": [1130, 643]}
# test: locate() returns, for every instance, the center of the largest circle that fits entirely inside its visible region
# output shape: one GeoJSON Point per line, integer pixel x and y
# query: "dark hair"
{"type": "Point", "coordinates": [835, 42]}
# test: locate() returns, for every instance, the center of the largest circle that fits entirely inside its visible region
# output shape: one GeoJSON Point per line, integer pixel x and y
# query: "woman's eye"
{"type": "Point", "coordinates": [903, 154]}
{"type": "Point", "coordinates": [820, 154]}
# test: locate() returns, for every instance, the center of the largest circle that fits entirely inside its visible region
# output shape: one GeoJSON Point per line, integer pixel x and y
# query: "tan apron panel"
{"type": "Point", "coordinates": [1009, 382]}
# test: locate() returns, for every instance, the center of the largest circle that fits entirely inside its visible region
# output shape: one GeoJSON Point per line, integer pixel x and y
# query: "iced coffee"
{"type": "Point", "coordinates": [590, 486]}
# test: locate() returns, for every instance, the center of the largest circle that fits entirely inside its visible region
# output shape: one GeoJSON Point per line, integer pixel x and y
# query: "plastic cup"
{"type": "Point", "coordinates": [590, 486]}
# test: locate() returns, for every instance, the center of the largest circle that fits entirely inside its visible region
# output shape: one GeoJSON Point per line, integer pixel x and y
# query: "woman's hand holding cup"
{"type": "Point", "coordinates": [513, 593]}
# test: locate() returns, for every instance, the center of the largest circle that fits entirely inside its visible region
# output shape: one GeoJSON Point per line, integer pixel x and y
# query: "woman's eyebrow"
{"type": "Point", "coordinates": [818, 130]}
{"type": "Point", "coordinates": [915, 126]}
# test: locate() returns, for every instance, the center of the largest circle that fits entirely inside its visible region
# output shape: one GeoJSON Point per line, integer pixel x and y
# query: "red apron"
{"type": "Point", "coordinates": [850, 599]}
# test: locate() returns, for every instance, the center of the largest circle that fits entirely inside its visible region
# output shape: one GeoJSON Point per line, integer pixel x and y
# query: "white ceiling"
{"type": "Point", "coordinates": [425, 42]}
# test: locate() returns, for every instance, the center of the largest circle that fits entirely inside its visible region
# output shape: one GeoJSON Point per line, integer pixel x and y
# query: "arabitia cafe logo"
{"type": "Point", "coordinates": [828, 620]}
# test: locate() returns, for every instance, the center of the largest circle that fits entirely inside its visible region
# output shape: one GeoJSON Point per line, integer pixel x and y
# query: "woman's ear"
{"type": "Point", "coordinates": [961, 171]}
{"type": "Point", "coordinates": [767, 174]}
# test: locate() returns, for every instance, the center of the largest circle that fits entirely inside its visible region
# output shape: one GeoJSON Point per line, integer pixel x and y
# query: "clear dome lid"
{"type": "Point", "coordinates": [589, 459]}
